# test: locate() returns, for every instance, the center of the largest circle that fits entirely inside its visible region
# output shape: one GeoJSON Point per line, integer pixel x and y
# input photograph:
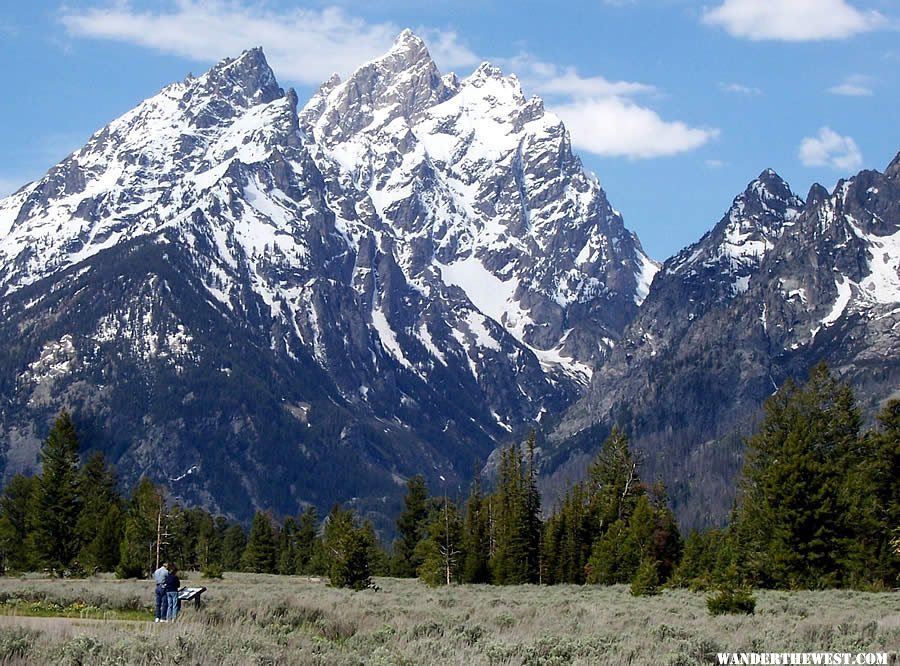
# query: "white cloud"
{"type": "Point", "coordinates": [740, 89]}
{"type": "Point", "coordinates": [302, 45]}
{"type": "Point", "coordinates": [832, 150]}
{"type": "Point", "coordinates": [446, 49]}
{"type": "Point", "coordinates": [568, 82]}
{"type": "Point", "coordinates": [714, 164]}
{"type": "Point", "coordinates": [549, 79]}
{"type": "Point", "coordinates": [618, 127]}
{"type": "Point", "coordinates": [853, 86]}
{"type": "Point", "coordinates": [600, 114]}
{"type": "Point", "coordinates": [792, 20]}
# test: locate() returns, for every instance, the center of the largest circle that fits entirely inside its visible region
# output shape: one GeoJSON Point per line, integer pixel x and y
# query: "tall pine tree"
{"type": "Point", "coordinates": [348, 548]}
{"type": "Point", "coordinates": [871, 491]}
{"type": "Point", "coordinates": [793, 517]}
{"type": "Point", "coordinates": [614, 484]}
{"type": "Point", "coordinates": [516, 558]}
{"type": "Point", "coordinates": [234, 541]}
{"type": "Point", "coordinates": [259, 555]}
{"type": "Point", "coordinates": [138, 548]}
{"type": "Point", "coordinates": [14, 523]}
{"type": "Point", "coordinates": [57, 499]}
{"type": "Point", "coordinates": [411, 528]}
{"type": "Point", "coordinates": [441, 552]}
{"type": "Point", "coordinates": [287, 547]}
{"type": "Point", "coordinates": [307, 540]}
{"type": "Point", "coordinates": [102, 520]}
{"type": "Point", "coordinates": [476, 538]}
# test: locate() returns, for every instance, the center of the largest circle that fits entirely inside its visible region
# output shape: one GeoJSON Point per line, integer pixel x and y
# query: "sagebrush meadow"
{"type": "Point", "coordinates": [264, 619]}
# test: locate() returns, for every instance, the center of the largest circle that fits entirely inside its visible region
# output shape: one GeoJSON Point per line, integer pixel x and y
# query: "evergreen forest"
{"type": "Point", "coordinates": [818, 506]}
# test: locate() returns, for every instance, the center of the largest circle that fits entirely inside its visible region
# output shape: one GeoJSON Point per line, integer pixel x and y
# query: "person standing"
{"type": "Point", "coordinates": [172, 585]}
{"type": "Point", "coordinates": [159, 577]}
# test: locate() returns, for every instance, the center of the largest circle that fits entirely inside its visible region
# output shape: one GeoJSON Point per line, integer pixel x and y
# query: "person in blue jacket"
{"type": "Point", "coordinates": [159, 577]}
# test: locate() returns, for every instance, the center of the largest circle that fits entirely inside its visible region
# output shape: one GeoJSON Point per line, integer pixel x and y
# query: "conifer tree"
{"type": "Point", "coordinates": [646, 579]}
{"type": "Point", "coordinates": [532, 516]}
{"type": "Point", "coordinates": [411, 528]}
{"type": "Point", "coordinates": [667, 545]}
{"type": "Point", "coordinates": [476, 541]}
{"type": "Point", "coordinates": [104, 551]}
{"type": "Point", "coordinates": [568, 539]}
{"type": "Point", "coordinates": [639, 538]}
{"type": "Point", "coordinates": [697, 565]}
{"type": "Point", "coordinates": [348, 548]}
{"type": "Point", "coordinates": [379, 561]}
{"type": "Point", "coordinates": [101, 523]}
{"type": "Point", "coordinates": [287, 547]}
{"type": "Point", "coordinates": [614, 484]}
{"type": "Point", "coordinates": [57, 499]}
{"type": "Point", "coordinates": [307, 539]}
{"type": "Point", "coordinates": [352, 567]}
{"type": "Point", "coordinates": [509, 552]}
{"type": "Point", "coordinates": [138, 548]}
{"type": "Point", "coordinates": [259, 555]}
{"type": "Point", "coordinates": [14, 523]}
{"type": "Point", "coordinates": [234, 541]}
{"type": "Point", "coordinates": [871, 491]}
{"type": "Point", "coordinates": [209, 546]}
{"type": "Point", "coordinates": [431, 570]}
{"type": "Point", "coordinates": [792, 520]}
{"type": "Point", "coordinates": [177, 536]}
{"type": "Point", "coordinates": [554, 527]}
{"type": "Point", "coordinates": [607, 563]}
{"type": "Point", "coordinates": [518, 528]}
{"type": "Point", "coordinates": [441, 552]}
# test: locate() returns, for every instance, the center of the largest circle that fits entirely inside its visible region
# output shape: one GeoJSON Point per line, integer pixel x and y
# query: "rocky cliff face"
{"type": "Point", "coordinates": [778, 285]}
{"type": "Point", "coordinates": [310, 305]}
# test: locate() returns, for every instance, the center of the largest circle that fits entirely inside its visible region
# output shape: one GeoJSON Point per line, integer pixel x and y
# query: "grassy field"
{"type": "Point", "coordinates": [258, 619]}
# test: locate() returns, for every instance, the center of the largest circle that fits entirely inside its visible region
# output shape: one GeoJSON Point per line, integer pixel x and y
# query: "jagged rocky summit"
{"type": "Point", "coordinates": [777, 286]}
{"type": "Point", "coordinates": [311, 305]}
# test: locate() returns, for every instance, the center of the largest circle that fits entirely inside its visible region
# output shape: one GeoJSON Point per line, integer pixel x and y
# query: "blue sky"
{"type": "Point", "coordinates": [674, 104]}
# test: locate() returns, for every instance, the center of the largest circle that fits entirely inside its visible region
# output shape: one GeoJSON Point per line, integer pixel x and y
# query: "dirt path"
{"type": "Point", "coordinates": [70, 626]}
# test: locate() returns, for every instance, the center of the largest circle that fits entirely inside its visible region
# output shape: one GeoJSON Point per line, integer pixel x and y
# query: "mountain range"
{"type": "Point", "coordinates": [268, 306]}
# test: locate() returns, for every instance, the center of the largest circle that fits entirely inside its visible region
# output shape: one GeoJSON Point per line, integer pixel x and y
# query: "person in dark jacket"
{"type": "Point", "coordinates": [172, 585]}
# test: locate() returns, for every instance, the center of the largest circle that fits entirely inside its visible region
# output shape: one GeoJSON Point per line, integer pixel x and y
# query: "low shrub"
{"type": "Point", "coordinates": [212, 571]}
{"type": "Point", "coordinates": [731, 601]}
{"type": "Point", "coordinates": [646, 579]}
{"type": "Point", "coordinates": [15, 643]}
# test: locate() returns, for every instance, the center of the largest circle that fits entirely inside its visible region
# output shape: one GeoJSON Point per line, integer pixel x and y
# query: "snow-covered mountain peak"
{"type": "Point", "coordinates": [246, 80]}
{"type": "Point", "coordinates": [407, 47]}
{"type": "Point", "coordinates": [430, 248]}
{"type": "Point", "coordinates": [470, 182]}
{"type": "Point", "coordinates": [816, 195]}
{"type": "Point", "coordinates": [730, 254]}
{"type": "Point", "coordinates": [400, 84]}
{"type": "Point", "coordinates": [451, 82]}
{"type": "Point", "coordinates": [772, 190]}
{"type": "Point", "coordinates": [133, 176]}
{"type": "Point", "coordinates": [486, 71]}
{"type": "Point", "coordinates": [764, 206]}
{"type": "Point", "coordinates": [494, 83]}
{"type": "Point", "coordinates": [317, 104]}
